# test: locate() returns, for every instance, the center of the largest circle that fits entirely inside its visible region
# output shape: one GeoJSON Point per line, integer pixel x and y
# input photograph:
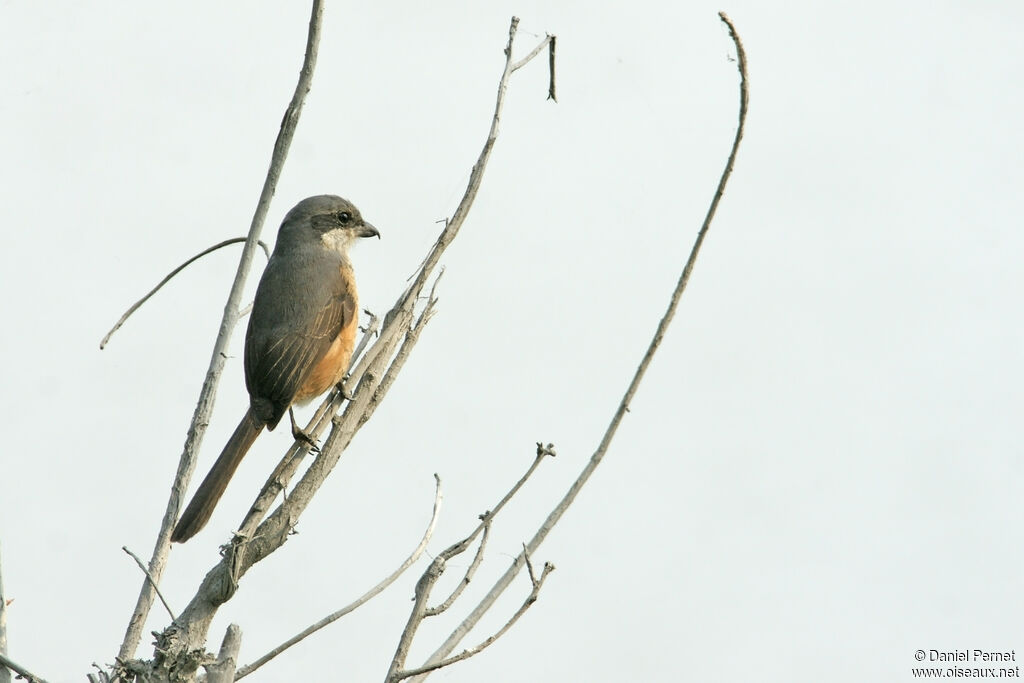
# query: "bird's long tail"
{"type": "Point", "coordinates": [199, 509]}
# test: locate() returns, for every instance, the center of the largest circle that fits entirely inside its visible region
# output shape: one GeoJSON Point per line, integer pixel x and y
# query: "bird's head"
{"type": "Point", "coordinates": [334, 221]}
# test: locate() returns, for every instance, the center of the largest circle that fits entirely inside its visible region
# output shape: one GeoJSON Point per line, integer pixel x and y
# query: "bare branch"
{"type": "Point", "coordinates": [204, 407]}
{"type": "Point", "coordinates": [533, 53]}
{"type": "Point", "coordinates": [411, 337]}
{"type": "Point", "coordinates": [134, 307]}
{"type": "Point", "coordinates": [556, 514]}
{"type": "Point", "coordinates": [150, 577]}
{"type": "Point", "coordinates": [466, 654]}
{"type": "Point", "coordinates": [485, 528]}
{"type": "Point", "coordinates": [436, 568]}
{"type": "Point", "coordinates": [467, 577]}
{"type": "Point", "coordinates": [488, 517]}
{"type": "Point", "coordinates": [363, 599]}
{"type": "Point", "coordinates": [423, 587]}
{"type": "Point", "coordinates": [369, 332]}
{"type": "Point", "coordinates": [529, 565]}
{"type": "Point", "coordinates": [542, 451]}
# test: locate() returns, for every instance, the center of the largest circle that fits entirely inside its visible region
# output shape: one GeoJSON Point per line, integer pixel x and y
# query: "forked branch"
{"type": "Point", "coordinates": [426, 583]}
{"type": "Point", "coordinates": [537, 583]}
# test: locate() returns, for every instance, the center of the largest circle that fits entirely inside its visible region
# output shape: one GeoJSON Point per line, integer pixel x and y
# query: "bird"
{"type": "Point", "coordinates": [300, 336]}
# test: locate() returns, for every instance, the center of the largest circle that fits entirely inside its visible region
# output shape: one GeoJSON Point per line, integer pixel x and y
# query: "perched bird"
{"type": "Point", "coordinates": [300, 336]}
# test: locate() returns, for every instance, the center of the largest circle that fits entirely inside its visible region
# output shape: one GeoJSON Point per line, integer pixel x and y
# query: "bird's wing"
{"type": "Point", "coordinates": [292, 327]}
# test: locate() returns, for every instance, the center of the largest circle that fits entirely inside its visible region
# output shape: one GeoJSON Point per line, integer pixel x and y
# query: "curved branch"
{"type": "Point", "coordinates": [556, 514]}
{"type": "Point", "coordinates": [167, 278]}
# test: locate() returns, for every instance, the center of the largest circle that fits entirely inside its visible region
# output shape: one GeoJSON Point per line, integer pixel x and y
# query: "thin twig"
{"type": "Point", "coordinates": [135, 306]}
{"type": "Point", "coordinates": [556, 514]}
{"type": "Point", "coordinates": [488, 517]}
{"type": "Point", "coordinates": [412, 335]}
{"type": "Point", "coordinates": [150, 577]}
{"type": "Point", "coordinates": [466, 654]}
{"type": "Point", "coordinates": [529, 565]}
{"type": "Point", "coordinates": [363, 599]}
{"type": "Point", "coordinates": [369, 332]}
{"type": "Point", "coordinates": [467, 577]}
{"type": "Point", "coordinates": [533, 53]}
{"type": "Point", "coordinates": [204, 407]}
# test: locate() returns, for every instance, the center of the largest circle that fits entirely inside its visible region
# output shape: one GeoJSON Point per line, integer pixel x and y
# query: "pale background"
{"type": "Point", "coordinates": [820, 475]}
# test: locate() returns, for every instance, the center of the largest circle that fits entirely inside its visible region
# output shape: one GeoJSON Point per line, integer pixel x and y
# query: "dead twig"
{"type": "Point", "coordinates": [167, 278]}
{"type": "Point", "coordinates": [150, 577]}
{"type": "Point", "coordinates": [467, 577]}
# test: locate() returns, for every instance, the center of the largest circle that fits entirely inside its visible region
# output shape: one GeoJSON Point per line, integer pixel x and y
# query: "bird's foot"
{"type": "Point", "coordinates": [300, 434]}
{"type": "Point", "coordinates": [343, 388]}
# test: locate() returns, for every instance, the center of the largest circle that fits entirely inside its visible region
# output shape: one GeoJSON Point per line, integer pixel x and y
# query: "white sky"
{"type": "Point", "coordinates": [820, 475]}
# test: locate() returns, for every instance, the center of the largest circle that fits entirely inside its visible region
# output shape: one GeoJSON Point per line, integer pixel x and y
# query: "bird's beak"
{"type": "Point", "coordinates": [367, 230]}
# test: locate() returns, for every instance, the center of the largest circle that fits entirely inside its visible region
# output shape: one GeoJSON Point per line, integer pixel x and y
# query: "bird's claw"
{"type": "Point", "coordinates": [343, 388]}
{"type": "Point", "coordinates": [300, 435]}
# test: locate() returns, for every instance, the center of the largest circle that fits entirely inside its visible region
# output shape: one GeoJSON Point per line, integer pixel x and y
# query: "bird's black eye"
{"type": "Point", "coordinates": [344, 217]}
